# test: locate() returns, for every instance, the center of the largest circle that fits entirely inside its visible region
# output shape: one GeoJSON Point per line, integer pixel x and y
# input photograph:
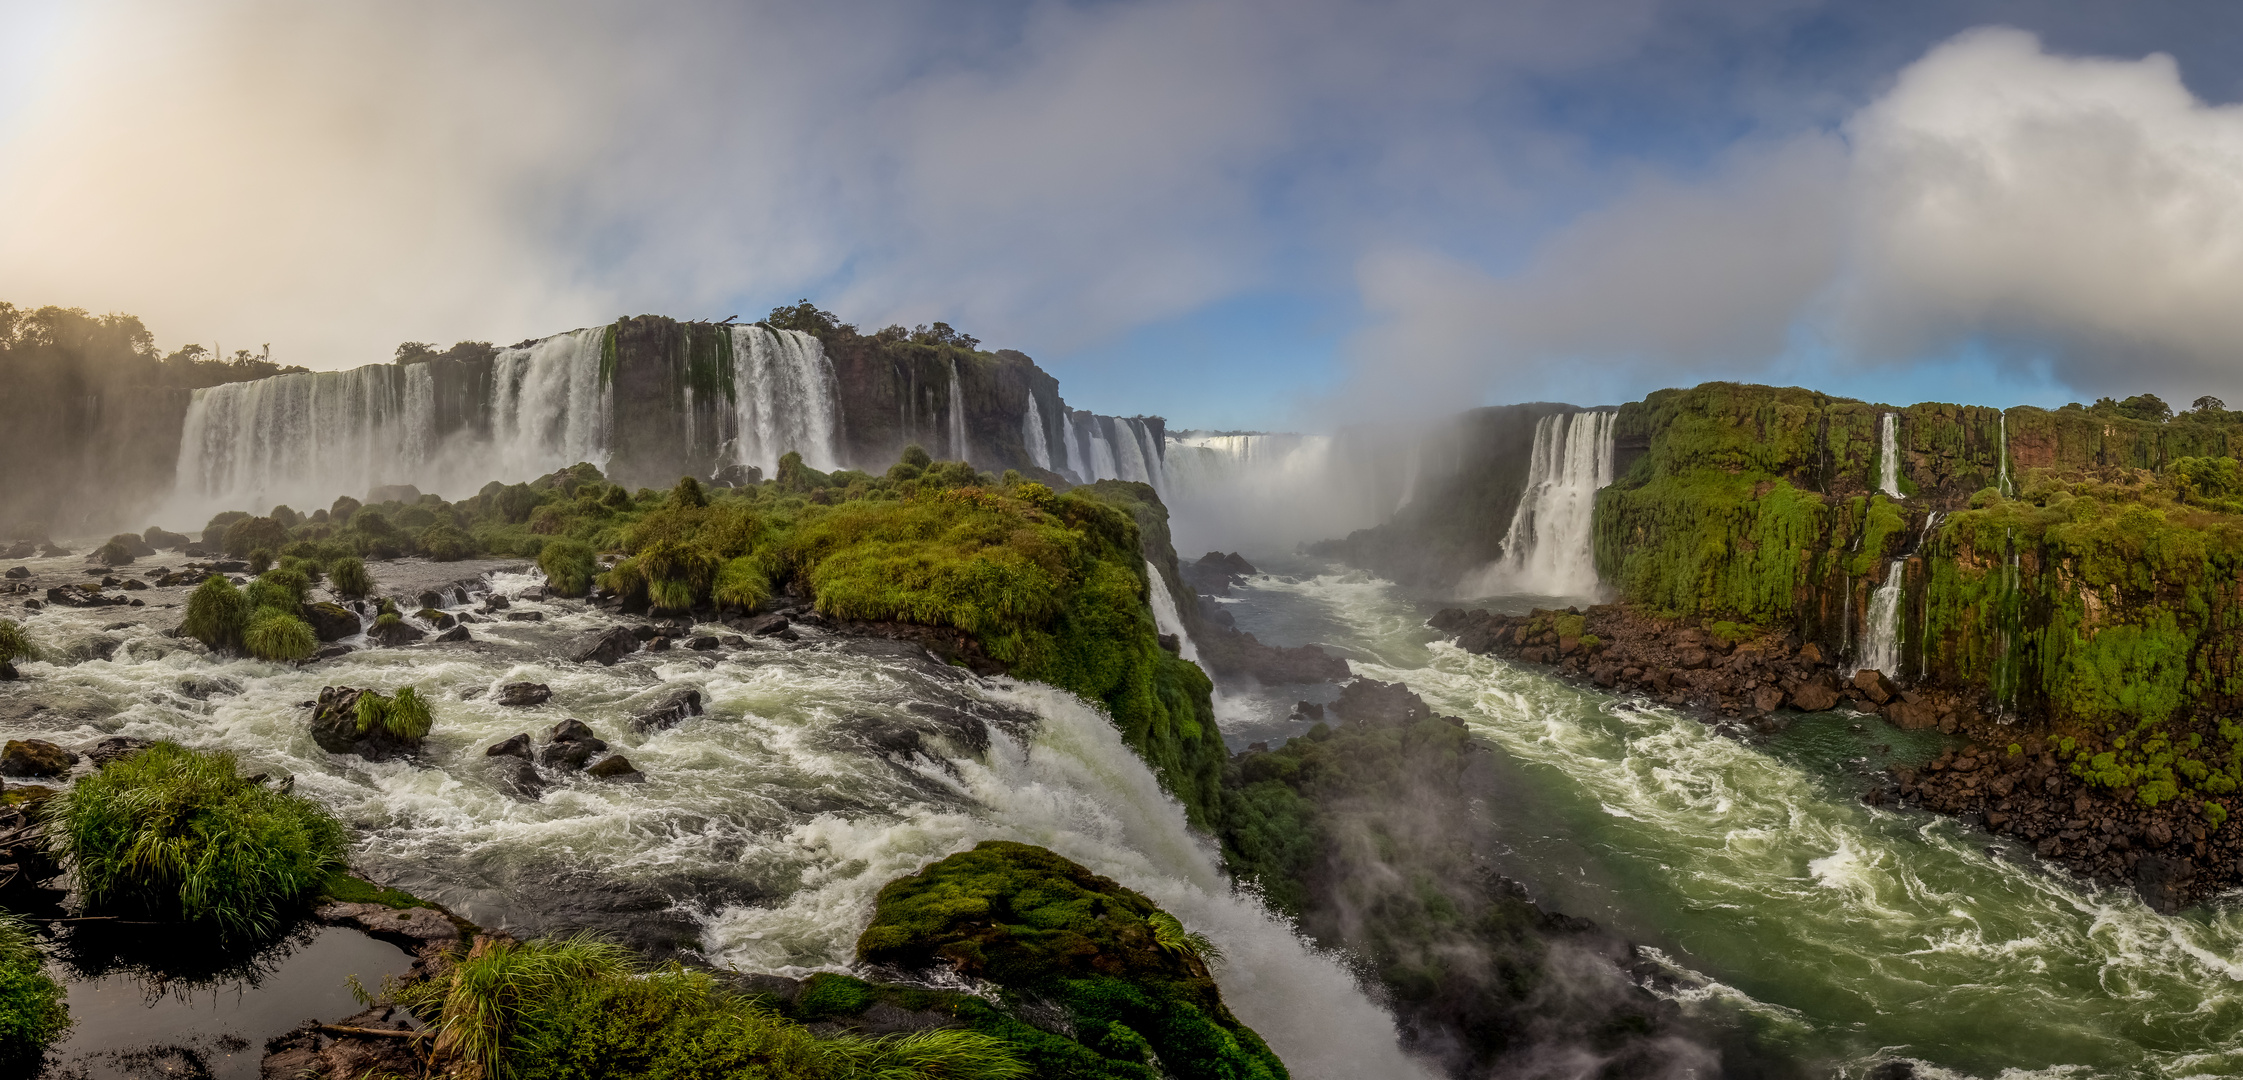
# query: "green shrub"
{"type": "Point", "coordinates": [32, 1013]}
{"type": "Point", "coordinates": [348, 576]}
{"type": "Point", "coordinates": [278, 590]}
{"type": "Point", "coordinates": [173, 833]}
{"type": "Point", "coordinates": [250, 533]}
{"type": "Point", "coordinates": [444, 542]}
{"type": "Point", "coordinates": [217, 614]}
{"type": "Point", "coordinates": [278, 635]}
{"type": "Point", "coordinates": [405, 716]}
{"type": "Point", "coordinates": [581, 1008]}
{"type": "Point", "coordinates": [741, 583]}
{"type": "Point", "coordinates": [260, 560]}
{"type": "Point", "coordinates": [113, 554]}
{"type": "Point", "coordinates": [569, 566]}
{"type": "Point", "coordinates": [2215, 813]}
{"type": "Point", "coordinates": [15, 644]}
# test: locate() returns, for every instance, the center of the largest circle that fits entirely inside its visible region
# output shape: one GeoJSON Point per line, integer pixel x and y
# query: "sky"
{"type": "Point", "coordinates": [1236, 214]}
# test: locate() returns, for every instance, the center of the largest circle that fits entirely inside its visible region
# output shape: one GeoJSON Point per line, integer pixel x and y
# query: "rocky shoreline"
{"type": "Point", "coordinates": [2003, 776]}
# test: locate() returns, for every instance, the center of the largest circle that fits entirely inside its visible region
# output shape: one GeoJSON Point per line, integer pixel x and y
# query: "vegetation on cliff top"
{"type": "Point", "coordinates": [1135, 985]}
{"type": "Point", "coordinates": [178, 834]}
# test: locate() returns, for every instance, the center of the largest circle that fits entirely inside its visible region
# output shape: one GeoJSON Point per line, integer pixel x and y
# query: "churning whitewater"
{"type": "Point", "coordinates": [820, 772]}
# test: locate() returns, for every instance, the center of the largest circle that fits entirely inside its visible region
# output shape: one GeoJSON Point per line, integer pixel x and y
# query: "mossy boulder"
{"type": "Point", "coordinates": [1048, 931]}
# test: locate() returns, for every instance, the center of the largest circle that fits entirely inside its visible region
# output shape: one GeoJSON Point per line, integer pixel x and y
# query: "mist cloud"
{"type": "Point", "coordinates": [2084, 213]}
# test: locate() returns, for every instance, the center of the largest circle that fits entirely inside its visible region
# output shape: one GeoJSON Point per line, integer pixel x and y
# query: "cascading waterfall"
{"type": "Point", "coordinates": [2001, 474]}
{"type": "Point", "coordinates": [957, 415]}
{"type": "Point", "coordinates": [1880, 642]}
{"type": "Point", "coordinates": [548, 407]}
{"type": "Point", "coordinates": [1548, 549]}
{"type": "Point", "coordinates": [1076, 458]}
{"type": "Point", "coordinates": [303, 438]}
{"type": "Point", "coordinates": [1888, 455]}
{"type": "Point", "coordinates": [1165, 616]}
{"type": "Point", "coordinates": [1032, 435]}
{"type": "Point", "coordinates": [1409, 476]}
{"type": "Point", "coordinates": [788, 398]}
{"type": "Point", "coordinates": [1100, 453]}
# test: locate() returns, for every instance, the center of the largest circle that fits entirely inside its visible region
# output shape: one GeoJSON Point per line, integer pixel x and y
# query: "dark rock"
{"type": "Point", "coordinates": [432, 599]}
{"type": "Point", "coordinates": [1817, 694]}
{"type": "Point", "coordinates": [519, 694]}
{"type": "Point", "coordinates": [436, 618]}
{"type": "Point", "coordinates": [35, 757]}
{"type": "Point", "coordinates": [571, 730]}
{"type": "Point", "coordinates": [732, 641]}
{"type": "Point", "coordinates": [1874, 686]}
{"type": "Point", "coordinates": [396, 633]}
{"type": "Point", "coordinates": [525, 616]}
{"type": "Point", "coordinates": [334, 727]}
{"type": "Point", "coordinates": [332, 622]}
{"type": "Point", "coordinates": [19, 572]}
{"type": "Point", "coordinates": [646, 631]}
{"type": "Point", "coordinates": [110, 748]}
{"type": "Point", "coordinates": [331, 652]}
{"type": "Point", "coordinates": [1369, 702]}
{"type": "Point", "coordinates": [569, 756]}
{"type": "Point", "coordinates": [8, 672]}
{"type": "Point", "coordinates": [517, 776]}
{"type": "Point", "coordinates": [616, 767]}
{"type": "Point", "coordinates": [660, 644]}
{"type": "Point", "coordinates": [518, 746]}
{"type": "Point", "coordinates": [34, 605]}
{"type": "Point", "coordinates": [702, 643]}
{"type": "Point", "coordinates": [605, 647]}
{"type": "Point", "coordinates": [495, 602]}
{"type": "Point", "coordinates": [204, 687]}
{"type": "Point", "coordinates": [672, 711]}
{"type": "Point", "coordinates": [765, 625]}
{"type": "Point", "coordinates": [2162, 880]}
{"type": "Point", "coordinates": [1767, 699]}
{"type": "Point", "coordinates": [455, 634]}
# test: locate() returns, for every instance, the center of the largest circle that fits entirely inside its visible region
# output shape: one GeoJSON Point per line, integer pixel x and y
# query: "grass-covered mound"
{"type": "Point", "coordinates": [585, 1009]}
{"type": "Point", "coordinates": [1133, 981]}
{"type": "Point", "coordinates": [1049, 586]}
{"type": "Point", "coordinates": [265, 620]}
{"type": "Point", "coordinates": [31, 1010]}
{"type": "Point", "coordinates": [177, 834]}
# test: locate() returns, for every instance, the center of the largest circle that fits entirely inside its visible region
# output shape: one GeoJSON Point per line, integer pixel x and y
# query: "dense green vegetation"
{"type": "Point", "coordinates": [2087, 578]}
{"type": "Point", "coordinates": [173, 833]}
{"type": "Point", "coordinates": [263, 620]}
{"type": "Point", "coordinates": [585, 1009]}
{"type": "Point", "coordinates": [32, 1013]}
{"type": "Point", "coordinates": [1135, 984]}
{"type": "Point", "coordinates": [14, 645]}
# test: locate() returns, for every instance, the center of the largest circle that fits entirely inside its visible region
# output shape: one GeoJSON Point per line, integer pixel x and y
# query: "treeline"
{"type": "Point", "coordinates": [71, 347]}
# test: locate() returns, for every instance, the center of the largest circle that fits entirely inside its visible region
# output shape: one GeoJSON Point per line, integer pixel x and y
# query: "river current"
{"type": "Point", "coordinates": [824, 768]}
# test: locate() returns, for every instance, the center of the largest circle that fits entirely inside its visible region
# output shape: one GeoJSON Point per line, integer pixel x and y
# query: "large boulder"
{"type": "Point", "coordinates": [524, 693]}
{"type": "Point", "coordinates": [396, 633]}
{"type": "Point", "coordinates": [605, 647]}
{"type": "Point", "coordinates": [1873, 684]}
{"type": "Point", "coordinates": [1817, 694]}
{"type": "Point", "coordinates": [332, 622]}
{"type": "Point", "coordinates": [35, 757]}
{"type": "Point", "coordinates": [1372, 703]}
{"type": "Point", "coordinates": [335, 728]}
{"type": "Point", "coordinates": [615, 767]}
{"type": "Point", "coordinates": [569, 746]}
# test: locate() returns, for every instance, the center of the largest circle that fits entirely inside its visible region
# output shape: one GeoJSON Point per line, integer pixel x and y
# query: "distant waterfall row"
{"type": "Point", "coordinates": [303, 439]}
{"type": "Point", "coordinates": [1549, 549]}
{"type": "Point", "coordinates": [1113, 448]}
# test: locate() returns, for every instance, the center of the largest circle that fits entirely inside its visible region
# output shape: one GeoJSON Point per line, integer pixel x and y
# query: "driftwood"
{"type": "Point", "coordinates": [386, 1033]}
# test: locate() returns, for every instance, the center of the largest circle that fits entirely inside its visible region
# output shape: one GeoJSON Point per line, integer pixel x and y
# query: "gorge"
{"type": "Point", "coordinates": [1818, 598]}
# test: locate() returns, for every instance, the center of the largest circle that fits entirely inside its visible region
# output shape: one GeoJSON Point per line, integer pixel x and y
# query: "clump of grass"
{"type": "Point", "coordinates": [348, 577]}
{"type": "Point", "coordinates": [278, 635]}
{"type": "Point", "coordinates": [32, 1013]}
{"type": "Point", "coordinates": [582, 1007]}
{"type": "Point", "coordinates": [742, 583]}
{"type": "Point", "coordinates": [217, 614]}
{"type": "Point", "coordinates": [568, 565]}
{"type": "Point", "coordinates": [405, 716]}
{"type": "Point", "coordinates": [260, 560]}
{"type": "Point", "coordinates": [173, 833]}
{"type": "Point", "coordinates": [15, 644]}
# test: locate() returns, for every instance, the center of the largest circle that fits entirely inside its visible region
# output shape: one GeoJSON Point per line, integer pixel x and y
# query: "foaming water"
{"type": "Point", "coordinates": [766, 827]}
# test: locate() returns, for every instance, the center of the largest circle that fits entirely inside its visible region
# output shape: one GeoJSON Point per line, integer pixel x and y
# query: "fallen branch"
{"type": "Point", "coordinates": [387, 1033]}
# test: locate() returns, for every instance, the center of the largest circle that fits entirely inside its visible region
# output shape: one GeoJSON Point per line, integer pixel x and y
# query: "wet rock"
{"type": "Point", "coordinates": [331, 621]}
{"type": "Point", "coordinates": [19, 572]}
{"type": "Point", "coordinates": [1872, 685]}
{"type": "Point", "coordinates": [416, 930]}
{"type": "Point", "coordinates": [334, 727]}
{"type": "Point", "coordinates": [432, 599]}
{"type": "Point", "coordinates": [765, 625]}
{"type": "Point", "coordinates": [329, 653]}
{"type": "Point", "coordinates": [455, 634]}
{"type": "Point", "coordinates": [616, 767]}
{"type": "Point", "coordinates": [518, 746]}
{"type": "Point", "coordinates": [205, 687]}
{"type": "Point", "coordinates": [436, 618]}
{"type": "Point", "coordinates": [518, 777]}
{"type": "Point", "coordinates": [35, 757]}
{"type": "Point", "coordinates": [571, 755]}
{"type": "Point", "coordinates": [518, 694]}
{"type": "Point", "coordinates": [110, 748]}
{"type": "Point", "coordinates": [702, 643]}
{"type": "Point", "coordinates": [494, 603]}
{"type": "Point", "coordinates": [396, 633]}
{"type": "Point", "coordinates": [569, 730]}
{"type": "Point", "coordinates": [8, 672]}
{"type": "Point", "coordinates": [1767, 699]}
{"type": "Point", "coordinates": [525, 616]}
{"type": "Point", "coordinates": [1371, 703]}
{"type": "Point", "coordinates": [660, 644]}
{"type": "Point", "coordinates": [82, 596]}
{"type": "Point", "coordinates": [732, 641]}
{"type": "Point", "coordinates": [1912, 715]}
{"type": "Point", "coordinates": [605, 647]}
{"type": "Point", "coordinates": [673, 710]}
{"type": "Point", "coordinates": [1817, 694]}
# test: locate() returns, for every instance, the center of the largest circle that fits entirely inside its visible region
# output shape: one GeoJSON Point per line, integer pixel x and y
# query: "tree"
{"type": "Point", "coordinates": [2208, 404]}
{"type": "Point", "coordinates": [2147, 407]}
{"type": "Point", "coordinates": [806, 317]}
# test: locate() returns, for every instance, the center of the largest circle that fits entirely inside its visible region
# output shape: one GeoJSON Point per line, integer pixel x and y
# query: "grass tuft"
{"type": "Point", "coordinates": [217, 614]}
{"type": "Point", "coordinates": [405, 716]}
{"type": "Point", "coordinates": [278, 635]}
{"type": "Point", "coordinates": [32, 1013]}
{"type": "Point", "coordinates": [348, 577]}
{"type": "Point", "coordinates": [15, 644]}
{"type": "Point", "coordinates": [173, 833]}
{"type": "Point", "coordinates": [569, 566]}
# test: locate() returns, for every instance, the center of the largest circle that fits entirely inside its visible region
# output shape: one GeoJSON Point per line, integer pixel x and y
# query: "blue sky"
{"type": "Point", "coordinates": [1235, 214]}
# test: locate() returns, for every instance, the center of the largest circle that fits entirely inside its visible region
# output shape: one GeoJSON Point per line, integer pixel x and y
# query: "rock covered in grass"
{"type": "Point", "coordinates": [35, 757]}
{"type": "Point", "coordinates": [331, 621]}
{"type": "Point", "coordinates": [392, 630]}
{"type": "Point", "coordinates": [346, 720]}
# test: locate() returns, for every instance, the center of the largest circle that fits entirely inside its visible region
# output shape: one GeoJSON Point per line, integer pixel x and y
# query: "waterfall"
{"type": "Point", "coordinates": [2001, 475]}
{"type": "Point", "coordinates": [548, 407]}
{"type": "Point", "coordinates": [1135, 455]}
{"type": "Point", "coordinates": [1549, 548]}
{"type": "Point", "coordinates": [1888, 455]}
{"type": "Point", "coordinates": [303, 438]}
{"type": "Point", "coordinates": [786, 398]}
{"type": "Point", "coordinates": [1165, 616]}
{"type": "Point", "coordinates": [1880, 643]}
{"type": "Point", "coordinates": [957, 415]}
{"type": "Point", "coordinates": [1075, 456]}
{"type": "Point", "coordinates": [1032, 435]}
{"type": "Point", "coordinates": [1409, 476]}
{"type": "Point", "coordinates": [1102, 466]}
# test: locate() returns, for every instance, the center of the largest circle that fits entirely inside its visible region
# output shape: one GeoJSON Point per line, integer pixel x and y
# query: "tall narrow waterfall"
{"type": "Point", "coordinates": [1880, 641]}
{"type": "Point", "coordinates": [2001, 475]}
{"type": "Point", "coordinates": [548, 407]}
{"type": "Point", "coordinates": [787, 399]}
{"type": "Point", "coordinates": [303, 438]}
{"type": "Point", "coordinates": [1032, 434]}
{"type": "Point", "coordinates": [1166, 618]}
{"type": "Point", "coordinates": [1888, 455]}
{"type": "Point", "coordinates": [1549, 548]}
{"type": "Point", "coordinates": [957, 415]}
{"type": "Point", "coordinates": [1076, 458]}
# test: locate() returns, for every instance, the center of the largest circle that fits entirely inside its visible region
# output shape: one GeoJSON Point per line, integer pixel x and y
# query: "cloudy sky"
{"type": "Point", "coordinates": [1234, 214]}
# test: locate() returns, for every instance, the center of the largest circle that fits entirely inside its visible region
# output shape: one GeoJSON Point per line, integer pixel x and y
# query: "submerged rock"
{"type": "Point", "coordinates": [518, 777]}
{"type": "Point", "coordinates": [605, 647]}
{"type": "Point", "coordinates": [455, 634]}
{"type": "Point", "coordinates": [523, 694]}
{"type": "Point", "coordinates": [518, 746]}
{"type": "Point", "coordinates": [673, 710]}
{"type": "Point", "coordinates": [616, 767]}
